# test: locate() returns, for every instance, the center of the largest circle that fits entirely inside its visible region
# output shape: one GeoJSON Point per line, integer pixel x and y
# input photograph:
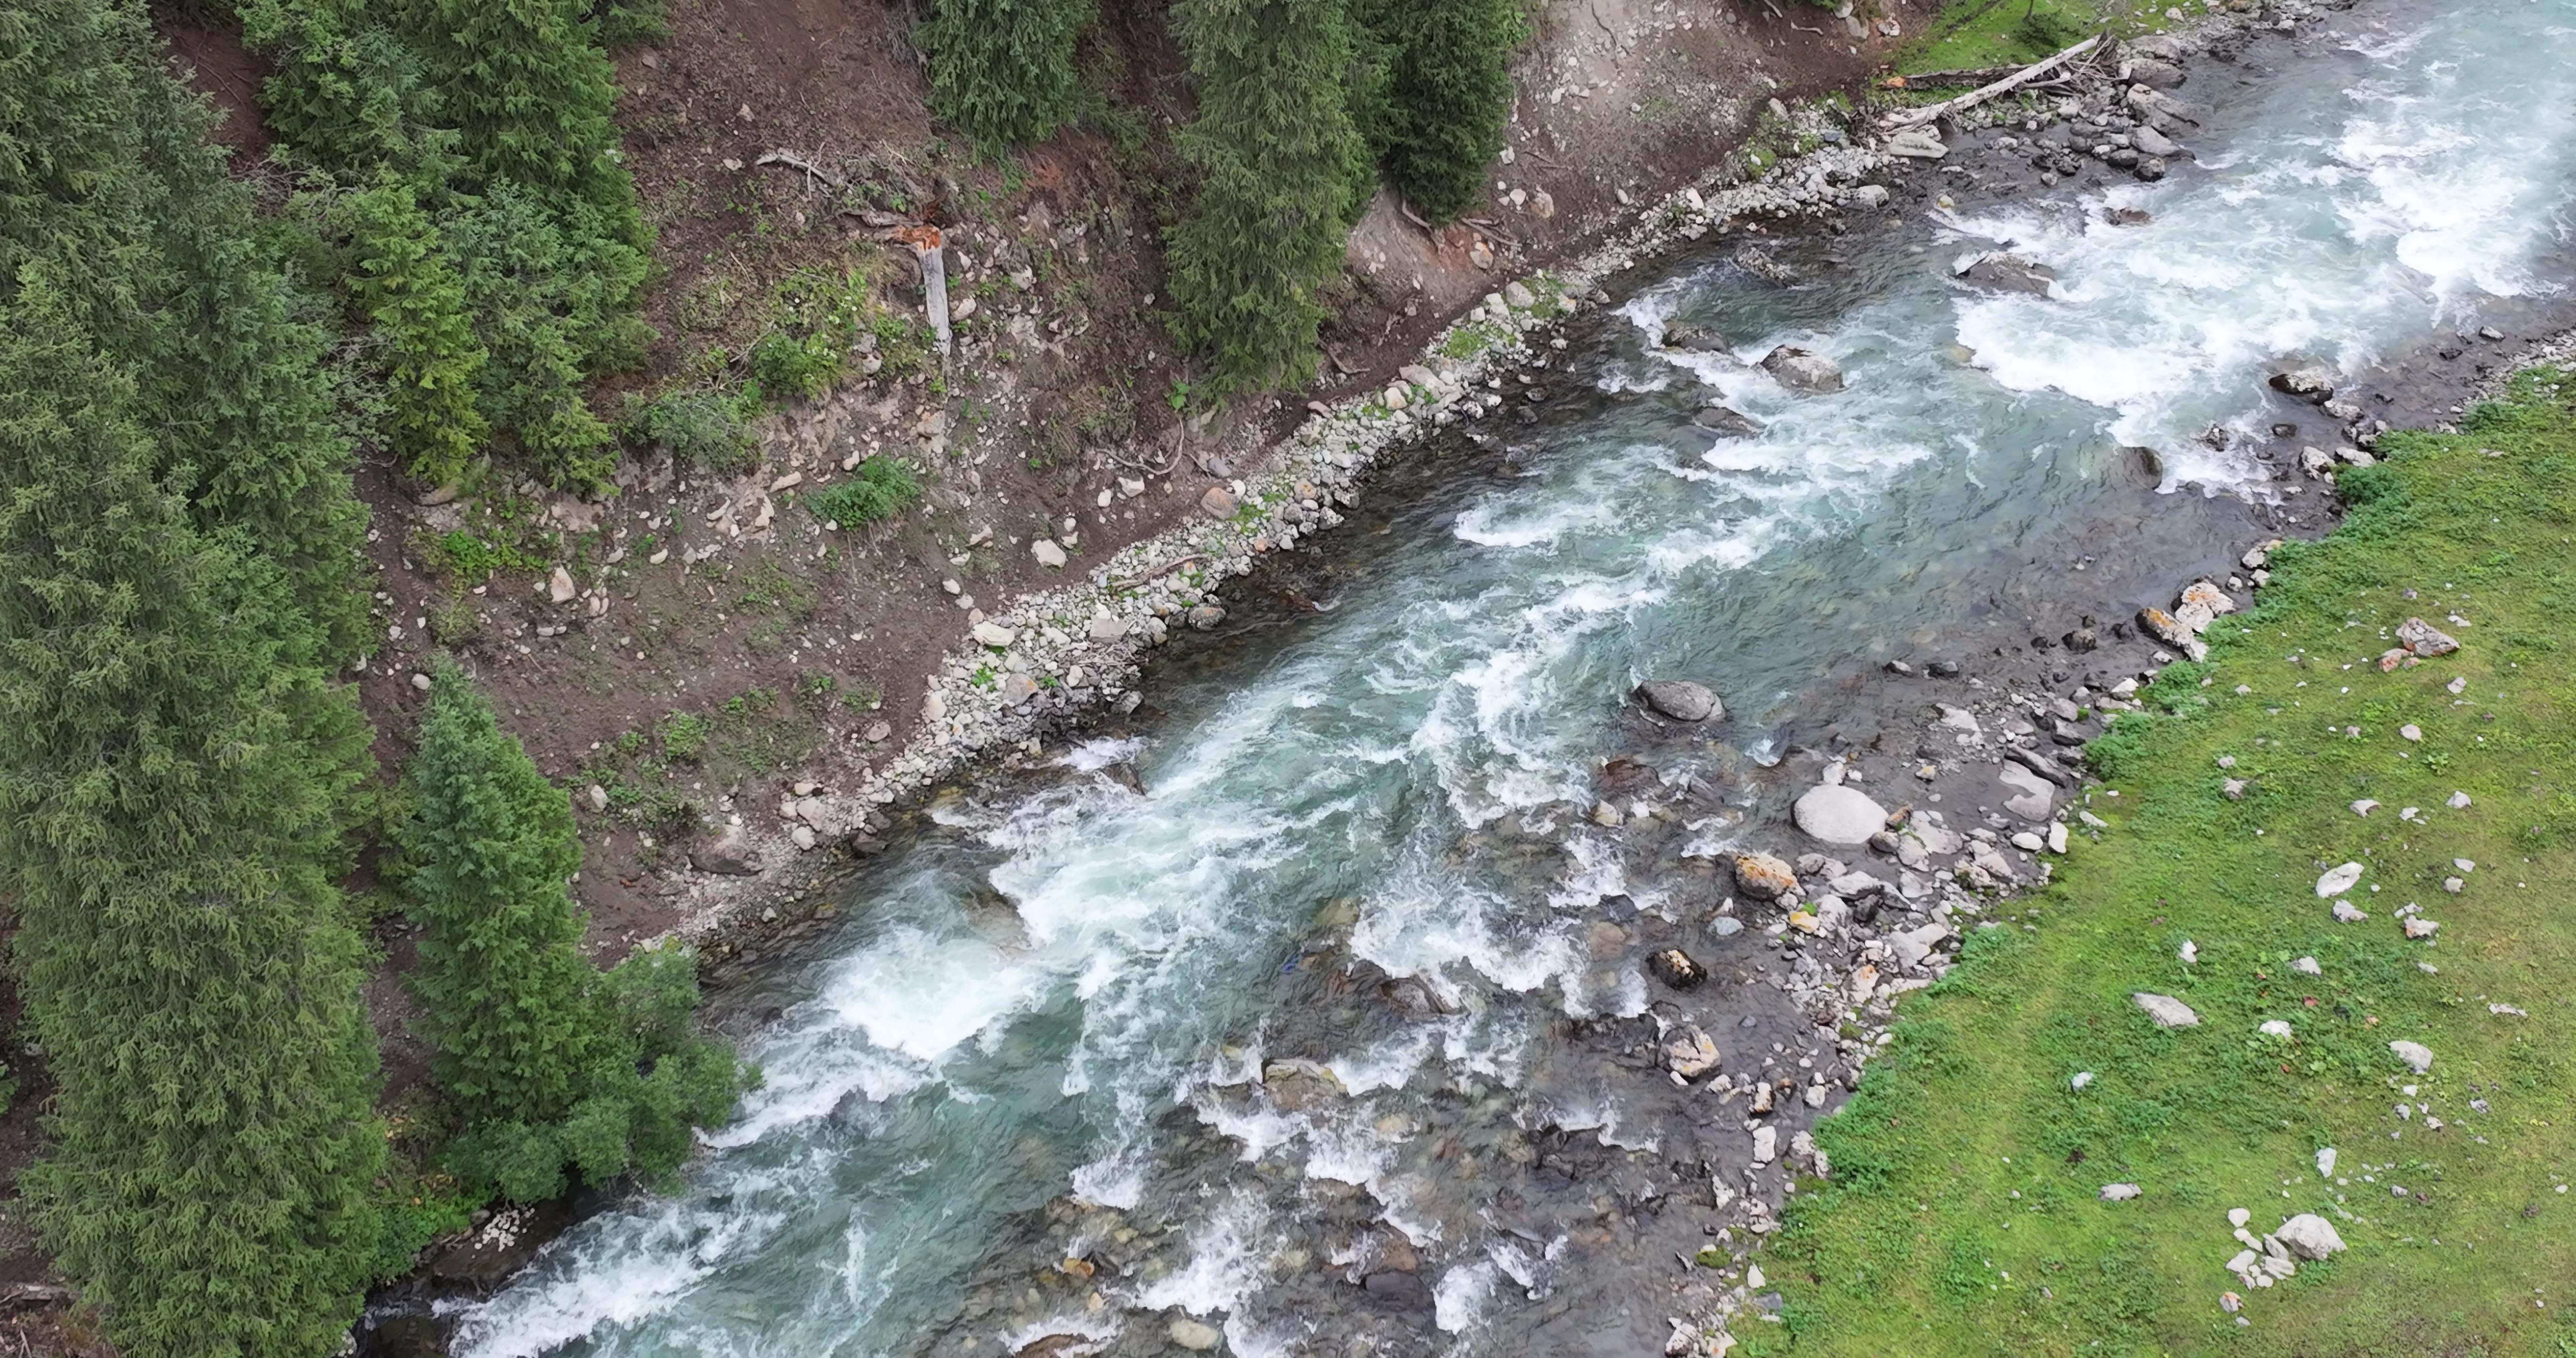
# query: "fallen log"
{"type": "Point", "coordinates": [1916, 117]}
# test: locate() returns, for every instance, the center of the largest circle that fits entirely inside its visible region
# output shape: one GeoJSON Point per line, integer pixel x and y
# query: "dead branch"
{"type": "Point", "coordinates": [1916, 117]}
{"type": "Point", "coordinates": [809, 169]}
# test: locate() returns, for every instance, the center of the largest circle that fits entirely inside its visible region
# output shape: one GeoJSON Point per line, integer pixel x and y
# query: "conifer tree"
{"type": "Point", "coordinates": [168, 824]}
{"type": "Point", "coordinates": [1277, 154]}
{"type": "Point", "coordinates": [551, 1063]}
{"type": "Point", "coordinates": [527, 86]}
{"type": "Point", "coordinates": [403, 282]}
{"type": "Point", "coordinates": [1448, 95]}
{"type": "Point", "coordinates": [1003, 69]}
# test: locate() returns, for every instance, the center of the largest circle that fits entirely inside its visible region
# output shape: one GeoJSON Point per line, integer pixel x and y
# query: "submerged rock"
{"type": "Point", "coordinates": [2006, 272]}
{"type": "Point", "coordinates": [1675, 968]}
{"type": "Point", "coordinates": [1297, 1085]}
{"type": "Point", "coordinates": [1727, 421]}
{"type": "Point", "coordinates": [1680, 699]}
{"type": "Point", "coordinates": [2312, 382]}
{"type": "Point", "coordinates": [1698, 339]}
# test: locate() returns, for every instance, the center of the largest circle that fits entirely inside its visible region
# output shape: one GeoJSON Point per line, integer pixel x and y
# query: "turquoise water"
{"type": "Point", "coordinates": [1027, 1002]}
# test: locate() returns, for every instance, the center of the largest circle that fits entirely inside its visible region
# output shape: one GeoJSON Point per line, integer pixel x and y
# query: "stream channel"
{"type": "Point", "coordinates": [1015, 1095]}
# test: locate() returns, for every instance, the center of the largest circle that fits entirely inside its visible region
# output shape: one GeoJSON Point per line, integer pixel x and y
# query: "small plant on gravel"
{"type": "Point", "coordinates": [880, 489]}
{"type": "Point", "coordinates": [862, 697]}
{"type": "Point", "coordinates": [815, 687]}
{"type": "Point", "coordinates": [684, 736]}
{"type": "Point", "coordinates": [817, 318]}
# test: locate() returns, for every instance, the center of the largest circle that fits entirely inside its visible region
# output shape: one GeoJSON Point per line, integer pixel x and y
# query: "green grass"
{"type": "Point", "coordinates": [880, 489]}
{"type": "Point", "coordinates": [1962, 1216]}
{"type": "Point", "coordinates": [1971, 34]}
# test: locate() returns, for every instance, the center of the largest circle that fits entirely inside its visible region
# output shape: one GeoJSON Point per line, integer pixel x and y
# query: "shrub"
{"type": "Point", "coordinates": [817, 319]}
{"type": "Point", "coordinates": [1447, 95]}
{"type": "Point", "coordinates": [399, 280]}
{"type": "Point", "coordinates": [880, 489]}
{"type": "Point", "coordinates": [684, 736]}
{"type": "Point", "coordinates": [702, 430]}
{"type": "Point", "coordinates": [1003, 69]}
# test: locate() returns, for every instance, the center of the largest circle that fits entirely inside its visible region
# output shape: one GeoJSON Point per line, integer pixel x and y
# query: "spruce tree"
{"type": "Point", "coordinates": [1003, 69]}
{"type": "Point", "coordinates": [1277, 155]}
{"type": "Point", "coordinates": [171, 776]}
{"type": "Point", "coordinates": [402, 281]}
{"type": "Point", "coordinates": [1448, 95]}
{"type": "Point", "coordinates": [549, 1062]}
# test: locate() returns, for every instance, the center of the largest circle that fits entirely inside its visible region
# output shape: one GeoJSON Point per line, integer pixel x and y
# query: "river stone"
{"type": "Point", "coordinates": [2167, 1011]}
{"type": "Point", "coordinates": [994, 634]}
{"type": "Point", "coordinates": [1205, 617]}
{"type": "Point", "coordinates": [2311, 382]}
{"type": "Point", "coordinates": [1698, 339]}
{"type": "Point", "coordinates": [1803, 370]}
{"type": "Point", "coordinates": [730, 854]}
{"type": "Point", "coordinates": [1870, 196]}
{"type": "Point", "coordinates": [1911, 946]}
{"type": "Point", "coordinates": [2338, 880]}
{"type": "Point", "coordinates": [1680, 699]}
{"type": "Point", "coordinates": [1196, 1336]}
{"type": "Point", "coordinates": [2007, 272]}
{"type": "Point", "coordinates": [1675, 968]}
{"type": "Point", "coordinates": [1763, 877]}
{"type": "Point", "coordinates": [2038, 796]}
{"type": "Point", "coordinates": [2154, 74]}
{"type": "Point", "coordinates": [1728, 422]}
{"type": "Point", "coordinates": [1017, 688]}
{"type": "Point", "coordinates": [1297, 1085]}
{"type": "Point", "coordinates": [2154, 143]}
{"type": "Point", "coordinates": [1838, 815]}
{"type": "Point", "coordinates": [2417, 1056]}
{"type": "Point", "coordinates": [2203, 594]}
{"type": "Point", "coordinates": [1691, 1053]}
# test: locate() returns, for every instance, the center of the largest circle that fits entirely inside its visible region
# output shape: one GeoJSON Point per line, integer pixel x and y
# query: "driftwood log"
{"type": "Point", "coordinates": [1916, 117]}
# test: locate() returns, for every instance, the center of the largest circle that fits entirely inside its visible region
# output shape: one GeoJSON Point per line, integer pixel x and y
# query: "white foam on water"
{"type": "Point", "coordinates": [1458, 1300]}
{"type": "Point", "coordinates": [1226, 1254]}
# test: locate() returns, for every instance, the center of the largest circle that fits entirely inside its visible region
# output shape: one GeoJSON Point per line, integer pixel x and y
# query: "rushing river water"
{"type": "Point", "coordinates": [1072, 989]}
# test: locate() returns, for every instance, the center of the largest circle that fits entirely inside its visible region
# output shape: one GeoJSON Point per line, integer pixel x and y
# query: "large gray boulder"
{"type": "Point", "coordinates": [1838, 815]}
{"type": "Point", "coordinates": [1803, 370]}
{"type": "Point", "coordinates": [1680, 699]}
{"type": "Point", "coordinates": [2010, 273]}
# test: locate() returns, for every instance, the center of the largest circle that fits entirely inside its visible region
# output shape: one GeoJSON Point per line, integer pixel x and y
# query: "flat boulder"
{"type": "Point", "coordinates": [2311, 382]}
{"type": "Point", "coordinates": [1763, 877]}
{"type": "Point", "coordinates": [1296, 1085]}
{"type": "Point", "coordinates": [1838, 815]}
{"type": "Point", "coordinates": [2308, 1235]}
{"type": "Point", "coordinates": [1726, 421]}
{"type": "Point", "coordinates": [2006, 272]}
{"type": "Point", "coordinates": [2167, 1011]}
{"type": "Point", "coordinates": [1680, 699]}
{"type": "Point", "coordinates": [1698, 339]}
{"type": "Point", "coordinates": [2338, 880]}
{"type": "Point", "coordinates": [1690, 1053]}
{"type": "Point", "coordinates": [2417, 1056]}
{"type": "Point", "coordinates": [1803, 370]}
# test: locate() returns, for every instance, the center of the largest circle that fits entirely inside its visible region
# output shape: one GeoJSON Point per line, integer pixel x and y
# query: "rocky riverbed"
{"type": "Point", "coordinates": [1526, 1046]}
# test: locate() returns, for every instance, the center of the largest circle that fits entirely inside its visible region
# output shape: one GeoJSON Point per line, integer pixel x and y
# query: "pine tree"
{"type": "Point", "coordinates": [169, 817]}
{"type": "Point", "coordinates": [549, 1062]}
{"type": "Point", "coordinates": [403, 282]}
{"type": "Point", "coordinates": [1448, 95]}
{"type": "Point", "coordinates": [1278, 155]}
{"type": "Point", "coordinates": [529, 89]}
{"type": "Point", "coordinates": [1003, 69]}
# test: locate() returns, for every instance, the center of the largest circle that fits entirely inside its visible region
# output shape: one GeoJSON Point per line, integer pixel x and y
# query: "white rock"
{"type": "Point", "coordinates": [1047, 553]}
{"type": "Point", "coordinates": [2120, 1192]}
{"type": "Point", "coordinates": [2338, 880]}
{"type": "Point", "coordinates": [2057, 837]}
{"type": "Point", "coordinates": [2307, 966]}
{"type": "Point", "coordinates": [2348, 913]}
{"type": "Point", "coordinates": [2365, 806]}
{"type": "Point", "coordinates": [2416, 926]}
{"type": "Point", "coordinates": [2417, 1056]}
{"type": "Point", "coordinates": [559, 586]}
{"type": "Point", "coordinates": [2167, 1011]}
{"type": "Point", "coordinates": [1766, 1144]}
{"type": "Point", "coordinates": [2459, 801]}
{"type": "Point", "coordinates": [2028, 842]}
{"type": "Point", "coordinates": [2325, 1162]}
{"type": "Point", "coordinates": [2275, 1028]}
{"type": "Point", "coordinates": [2308, 1235]}
{"type": "Point", "coordinates": [2082, 1078]}
{"type": "Point", "coordinates": [2410, 731]}
{"type": "Point", "coordinates": [803, 837]}
{"type": "Point", "coordinates": [994, 634]}
{"type": "Point", "coordinates": [2238, 1216]}
{"type": "Point", "coordinates": [1839, 815]}
{"type": "Point", "coordinates": [2189, 951]}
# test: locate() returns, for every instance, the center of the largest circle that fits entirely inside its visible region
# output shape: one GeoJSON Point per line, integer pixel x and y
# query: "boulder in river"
{"type": "Point", "coordinates": [2006, 272]}
{"type": "Point", "coordinates": [1763, 877]}
{"type": "Point", "coordinates": [1838, 815]}
{"type": "Point", "coordinates": [1690, 1053]}
{"type": "Point", "coordinates": [1729, 422]}
{"type": "Point", "coordinates": [1803, 370]}
{"type": "Point", "coordinates": [1680, 699]}
{"type": "Point", "coordinates": [1676, 968]}
{"type": "Point", "coordinates": [2311, 382]}
{"type": "Point", "coordinates": [1297, 1085]}
{"type": "Point", "coordinates": [1698, 339]}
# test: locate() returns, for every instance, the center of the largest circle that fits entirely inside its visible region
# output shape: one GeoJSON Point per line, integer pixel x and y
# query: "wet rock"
{"type": "Point", "coordinates": [1727, 422]}
{"type": "Point", "coordinates": [1205, 617]}
{"type": "Point", "coordinates": [1763, 877]}
{"type": "Point", "coordinates": [1699, 339]}
{"type": "Point", "coordinates": [2129, 216]}
{"type": "Point", "coordinates": [1870, 196]}
{"type": "Point", "coordinates": [1917, 143]}
{"type": "Point", "coordinates": [2423, 639]}
{"type": "Point", "coordinates": [1196, 1336]}
{"type": "Point", "coordinates": [1838, 815]}
{"type": "Point", "coordinates": [1391, 1285]}
{"type": "Point", "coordinates": [1766, 1145]}
{"type": "Point", "coordinates": [2312, 382]}
{"type": "Point", "coordinates": [1691, 1053]}
{"type": "Point", "coordinates": [2153, 143]}
{"type": "Point", "coordinates": [2203, 594]}
{"type": "Point", "coordinates": [2167, 1011]}
{"type": "Point", "coordinates": [1296, 1085]}
{"type": "Point", "coordinates": [1803, 370]}
{"type": "Point", "coordinates": [2006, 272]}
{"type": "Point", "coordinates": [731, 854]}
{"type": "Point", "coordinates": [2155, 74]}
{"type": "Point", "coordinates": [2034, 797]}
{"type": "Point", "coordinates": [1675, 968]}
{"type": "Point", "coordinates": [1680, 699]}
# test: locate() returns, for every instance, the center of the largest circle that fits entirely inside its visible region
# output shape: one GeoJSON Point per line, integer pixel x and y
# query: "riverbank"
{"type": "Point", "coordinates": [2040, 1163]}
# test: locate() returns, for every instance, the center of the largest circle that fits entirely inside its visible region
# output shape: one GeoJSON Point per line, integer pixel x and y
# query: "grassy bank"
{"type": "Point", "coordinates": [1964, 1217]}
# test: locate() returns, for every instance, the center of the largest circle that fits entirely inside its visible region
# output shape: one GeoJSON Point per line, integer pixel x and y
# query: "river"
{"type": "Point", "coordinates": [1039, 1030]}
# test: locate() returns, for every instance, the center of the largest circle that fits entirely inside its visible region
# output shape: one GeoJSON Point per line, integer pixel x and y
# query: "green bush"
{"type": "Point", "coordinates": [880, 489]}
{"type": "Point", "coordinates": [818, 317]}
{"type": "Point", "coordinates": [552, 1064]}
{"type": "Point", "coordinates": [400, 280]}
{"type": "Point", "coordinates": [684, 736]}
{"type": "Point", "coordinates": [1277, 156]}
{"type": "Point", "coordinates": [1003, 69]}
{"type": "Point", "coordinates": [2049, 30]}
{"type": "Point", "coordinates": [702, 430]}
